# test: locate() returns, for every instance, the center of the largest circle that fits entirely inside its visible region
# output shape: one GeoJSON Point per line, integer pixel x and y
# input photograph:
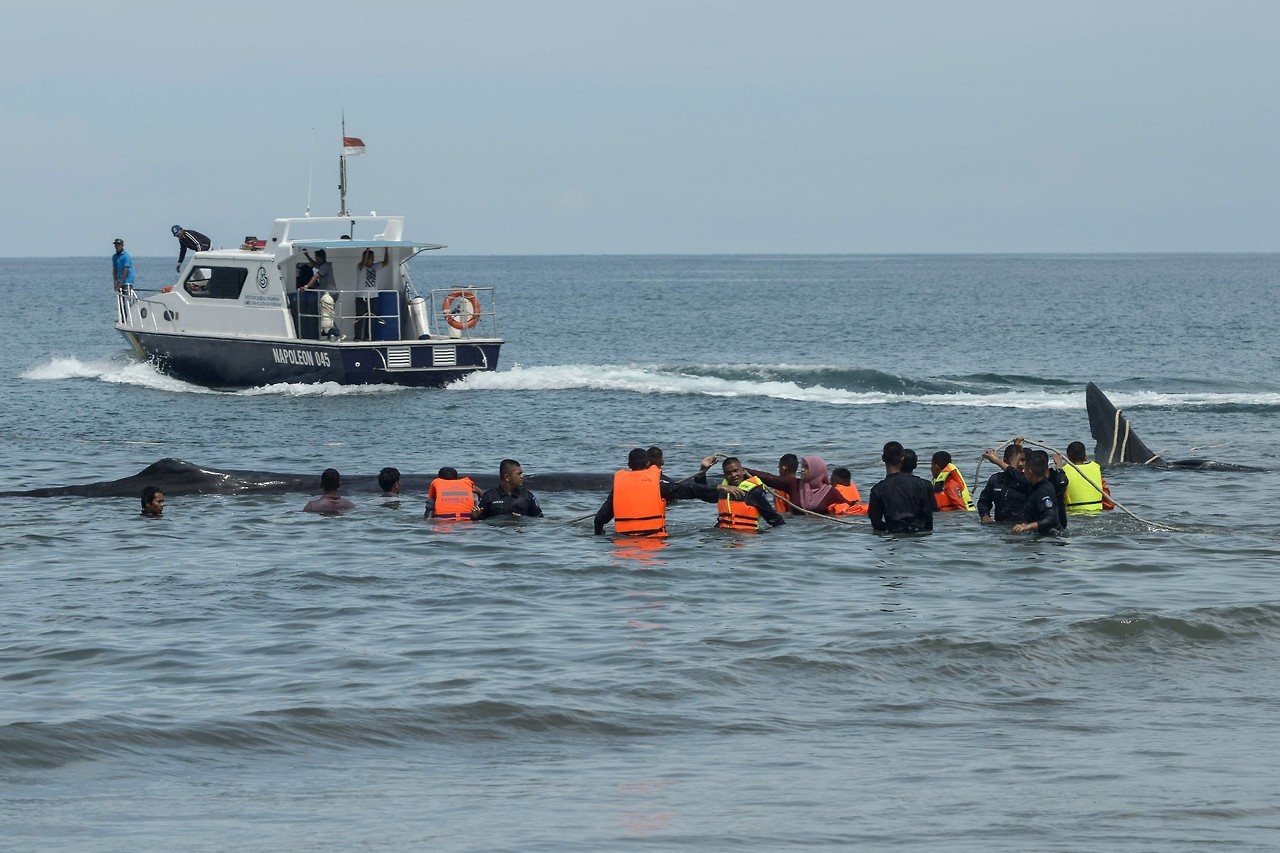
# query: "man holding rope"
{"type": "Point", "coordinates": [1044, 510]}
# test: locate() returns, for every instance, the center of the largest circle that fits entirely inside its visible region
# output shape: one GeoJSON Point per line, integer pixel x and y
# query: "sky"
{"type": "Point", "coordinates": [664, 126]}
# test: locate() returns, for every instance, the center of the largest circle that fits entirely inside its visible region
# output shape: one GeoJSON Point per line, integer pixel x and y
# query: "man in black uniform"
{"type": "Point", "coordinates": [193, 240]}
{"type": "Point", "coordinates": [1007, 489]}
{"type": "Point", "coordinates": [1043, 511]}
{"type": "Point", "coordinates": [901, 502]}
{"type": "Point", "coordinates": [509, 497]}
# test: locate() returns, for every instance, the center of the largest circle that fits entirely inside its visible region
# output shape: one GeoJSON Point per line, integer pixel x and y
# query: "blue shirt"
{"type": "Point", "coordinates": [121, 260]}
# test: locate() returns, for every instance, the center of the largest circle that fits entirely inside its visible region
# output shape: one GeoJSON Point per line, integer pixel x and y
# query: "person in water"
{"type": "Point", "coordinates": [786, 482]}
{"type": "Point", "coordinates": [901, 502]}
{"type": "Point", "coordinates": [389, 482]}
{"type": "Point", "coordinates": [1006, 490]}
{"type": "Point", "coordinates": [949, 488]}
{"type": "Point", "coordinates": [816, 494]}
{"type": "Point", "coordinates": [741, 499]}
{"type": "Point", "coordinates": [1083, 479]}
{"type": "Point", "coordinates": [152, 502]}
{"type": "Point", "coordinates": [450, 496]}
{"type": "Point", "coordinates": [188, 239]}
{"type": "Point", "coordinates": [330, 502]}
{"type": "Point", "coordinates": [637, 504]}
{"type": "Point", "coordinates": [851, 502]}
{"type": "Point", "coordinates": [1043, 510]}
{"type": "Point", "coordinates": [509, 497]}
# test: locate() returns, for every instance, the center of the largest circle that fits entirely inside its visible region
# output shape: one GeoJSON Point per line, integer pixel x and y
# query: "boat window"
{"type": "Point", "coordinates": [223, 282]}
{"type": "Point", "coordinates": [197, 283]}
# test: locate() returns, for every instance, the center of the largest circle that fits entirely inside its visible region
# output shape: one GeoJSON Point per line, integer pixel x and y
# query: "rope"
{"type": "Point", "coordinates": [1157, 525]}
{"type": "Point", "coordinates": [801, 509]}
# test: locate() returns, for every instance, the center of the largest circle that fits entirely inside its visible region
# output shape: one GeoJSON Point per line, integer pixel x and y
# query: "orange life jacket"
{"type": "Point", "coordinates": [736, 513]}
{"type": "Point", "coordinates": [453, 498]}
{"type": "Point", "coordinates": [638, 507]}
{"type": "Point", "coordinates": [852, 505]}
{"type": "Point", "coordinates": [945, 500]}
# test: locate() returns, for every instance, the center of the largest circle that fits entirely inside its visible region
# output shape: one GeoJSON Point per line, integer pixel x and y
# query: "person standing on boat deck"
{"type": "Point", "coordinates": [509, 497]}
{"type": "Point", "coordinates": [322, 280]}
{"type": "Point", "coordinates": [121, 266]}
{"type": "Point", "coordinates": [367, 292]}
{"type": "Point", "coordinates": [329, 503]}
{"type": "Point", "coordinates": [152, 502]}
{"type": "Point", "coordinates": [193, 240]}
{"type": "Point", "coordinates": [901, 502]}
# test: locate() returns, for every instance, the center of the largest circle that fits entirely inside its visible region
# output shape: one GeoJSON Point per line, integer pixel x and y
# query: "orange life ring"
{"type": "Point", "coordinates": [464, 315]}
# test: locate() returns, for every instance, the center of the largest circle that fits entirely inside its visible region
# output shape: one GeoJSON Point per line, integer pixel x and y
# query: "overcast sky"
{"type": "Point", "coordinates": [662, 126]}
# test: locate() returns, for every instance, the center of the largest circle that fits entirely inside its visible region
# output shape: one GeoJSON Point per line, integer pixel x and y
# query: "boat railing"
{"type": "Point", "coordinates": [463, 311]}
{"type": "Point", "coordinates": [389, 315]}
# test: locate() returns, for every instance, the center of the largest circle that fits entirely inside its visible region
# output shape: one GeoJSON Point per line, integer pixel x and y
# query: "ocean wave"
{"type": "Point", "coordinates": [43, 745]}
{"type": "Point", "coordinates": [839, 386]}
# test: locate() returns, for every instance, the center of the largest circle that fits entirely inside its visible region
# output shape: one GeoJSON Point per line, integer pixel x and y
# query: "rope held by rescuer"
{"type": "Point", "coordinates": [1157, 525]}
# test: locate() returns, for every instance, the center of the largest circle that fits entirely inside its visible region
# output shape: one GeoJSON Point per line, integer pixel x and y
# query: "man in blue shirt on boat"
{"type": "Point", "coordinates": [121, 266]}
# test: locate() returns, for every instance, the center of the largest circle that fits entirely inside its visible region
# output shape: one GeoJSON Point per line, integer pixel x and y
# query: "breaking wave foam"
{"type": "Point", "coordinates": [143, 374]}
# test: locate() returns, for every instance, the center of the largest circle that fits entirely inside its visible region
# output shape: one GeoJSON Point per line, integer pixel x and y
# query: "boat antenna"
{"type": "Point", "coordinates": [311, 163]}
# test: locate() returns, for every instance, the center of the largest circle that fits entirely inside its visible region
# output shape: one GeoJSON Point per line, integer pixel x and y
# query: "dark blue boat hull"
{"type": "Point", "coordinates": [247, 363]}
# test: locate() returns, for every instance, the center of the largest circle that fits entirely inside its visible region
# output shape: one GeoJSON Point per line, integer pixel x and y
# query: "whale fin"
{"type": "Point", "coordinates": [1116, 441]}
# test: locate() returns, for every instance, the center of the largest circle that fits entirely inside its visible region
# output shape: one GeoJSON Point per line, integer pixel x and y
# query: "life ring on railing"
{"type": "Point", "coordinates": [461, 309]}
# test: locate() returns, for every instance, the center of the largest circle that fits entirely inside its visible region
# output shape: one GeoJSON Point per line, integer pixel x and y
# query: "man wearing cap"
{"type": "Point", "coordinates": [121, 266]}
{"type": "Point", "coordinates": [187, 239]}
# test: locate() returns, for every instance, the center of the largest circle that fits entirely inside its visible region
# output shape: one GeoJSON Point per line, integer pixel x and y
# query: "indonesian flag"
{"type": "Point", "coordinates": [352, 145]}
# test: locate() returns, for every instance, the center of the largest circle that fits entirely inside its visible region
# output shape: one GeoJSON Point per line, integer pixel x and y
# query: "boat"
{"type": "Point", "coordinates": [243, 317]}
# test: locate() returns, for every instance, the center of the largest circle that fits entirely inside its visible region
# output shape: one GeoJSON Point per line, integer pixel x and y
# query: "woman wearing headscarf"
{"type": "Point", "coordinates": [816, 494]}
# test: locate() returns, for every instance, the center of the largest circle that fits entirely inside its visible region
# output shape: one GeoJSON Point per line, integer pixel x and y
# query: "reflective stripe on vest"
{"type": "Point", "coordinates": [638, 507]}
{"type": "Point", "coordinates": [952, 471]}
{"type": "Point", "coordinates": [453, 498]}
{"type": "Point", "coordinates": [1082, 496]}
{"type": "Point", "coordinates": [736, 513]}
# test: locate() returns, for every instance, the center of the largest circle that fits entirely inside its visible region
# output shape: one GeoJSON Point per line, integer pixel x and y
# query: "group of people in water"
{"type": "Point", "coordinates": [1027, 491]}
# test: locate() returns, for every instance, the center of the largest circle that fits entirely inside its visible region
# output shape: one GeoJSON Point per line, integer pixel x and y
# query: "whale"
{"type": "Point", "coordinates": [179, 477]}
{"type": "Point", "coordinates": [1118, 444]}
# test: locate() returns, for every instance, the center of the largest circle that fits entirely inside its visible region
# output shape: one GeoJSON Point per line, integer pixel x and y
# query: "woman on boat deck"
{"type": "Point", "coordinates": [367, 292]}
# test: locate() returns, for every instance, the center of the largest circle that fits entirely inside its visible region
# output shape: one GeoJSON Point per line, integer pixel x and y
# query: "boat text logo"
{"type": "Point", "coordinates": [305, 357]}
{"type": "Point", "coordinates": [262, 279]}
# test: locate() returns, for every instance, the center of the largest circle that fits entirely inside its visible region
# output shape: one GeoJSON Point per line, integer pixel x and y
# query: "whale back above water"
{"type": "Point", "coordinates": [178, 477]}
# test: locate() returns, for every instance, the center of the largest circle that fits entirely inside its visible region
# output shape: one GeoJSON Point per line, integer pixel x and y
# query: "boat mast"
{"type": "Point", "coordinates": [342, 170]}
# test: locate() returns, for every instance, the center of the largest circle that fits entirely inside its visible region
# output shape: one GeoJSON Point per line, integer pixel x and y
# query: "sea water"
{"type": "Point", "coordinates": [240, 675]}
